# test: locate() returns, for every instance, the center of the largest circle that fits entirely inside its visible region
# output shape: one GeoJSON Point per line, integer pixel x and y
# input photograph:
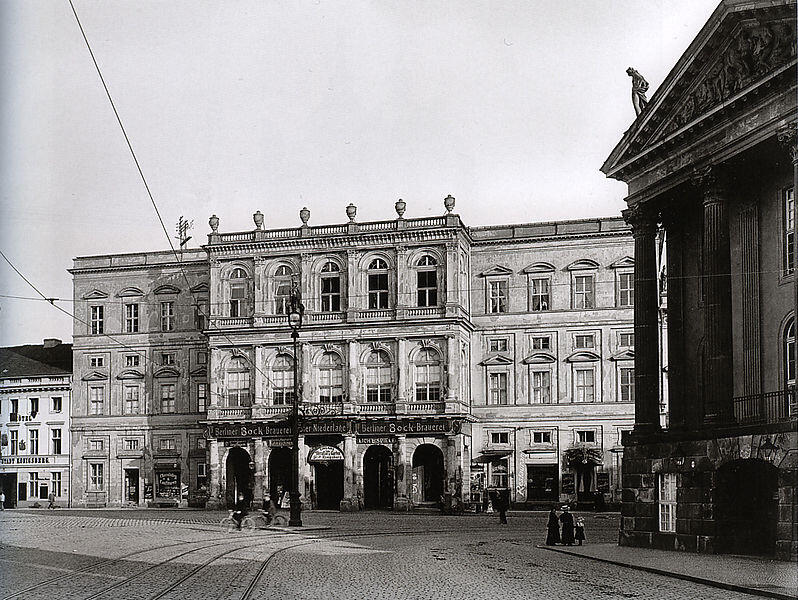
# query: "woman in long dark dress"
{"type": "Point", "coordinates": [553, 528]}
{"type": "Point", "coordinates": [567, 520]}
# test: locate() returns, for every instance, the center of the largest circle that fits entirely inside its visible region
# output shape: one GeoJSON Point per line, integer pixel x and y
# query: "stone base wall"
{"type": "Point", "coordinates": [696, 463]}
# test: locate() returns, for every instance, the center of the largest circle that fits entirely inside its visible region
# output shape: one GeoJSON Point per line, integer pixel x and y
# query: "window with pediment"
{"type": "Point", "coordinates": [379, 378]}
{"type": "Point", "coordinates": [283, 280]}
{"type": "Point", "coordinates": [427, 281]}
{"type": "Point", "coordinates": [378, 284]}
{"type": "Point", "coordinates": [330, 287]}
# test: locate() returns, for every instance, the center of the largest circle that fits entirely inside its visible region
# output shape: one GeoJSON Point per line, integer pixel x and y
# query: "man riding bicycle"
{"type": "Point", "coordinates": [240, 511]}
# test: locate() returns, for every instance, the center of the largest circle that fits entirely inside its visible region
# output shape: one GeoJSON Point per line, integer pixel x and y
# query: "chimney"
{"type": "Point", "coordinates": [51, 342]}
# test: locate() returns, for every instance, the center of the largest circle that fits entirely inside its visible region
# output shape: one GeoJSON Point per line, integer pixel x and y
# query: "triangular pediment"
{"type": "Point", "coordinates": [95, 294]}
{"type": "Point", "coordinates": [201, 288]}
{"type": "Point", "coordinates": [130, 292]}
{"type": "Point", "coordinates": [166, 289]}
{"type": "Point", "coordinates": [539, 267]}
{"type": "Point", "coordinates": [130, 374]}
{"type": "Point", "coordinates": [582, 265]}
{"type": "Point", "coordinates": [624, 355]}
{"type": "Point", "coordinates": [95, 376]}
{"type": "Point", "coordinates": [166, 372]}
{"type": "Point", "coordinates": [496, 270]}
{"type": "Point", "coordinates": [583, 356]}
{"type": "Point", "coordinates": [496, 360]}
{"type": "Point", "coordinates": [738, 52]}
{"type": "Point", "coordinates": [540, 358]}
{"type": "Point", "coordinates": [627, 262]}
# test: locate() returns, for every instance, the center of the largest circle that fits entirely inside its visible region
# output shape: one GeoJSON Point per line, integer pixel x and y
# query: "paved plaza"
{"type": "Point", "coordinates": [149, 554]}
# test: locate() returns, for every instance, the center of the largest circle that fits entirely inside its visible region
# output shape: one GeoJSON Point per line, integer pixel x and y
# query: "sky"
{"type": "Point", "coordinates": [234, 107]}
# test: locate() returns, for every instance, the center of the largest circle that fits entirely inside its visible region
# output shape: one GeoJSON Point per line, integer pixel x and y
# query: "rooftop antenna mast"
{"type": "Point", "coordinates": [182, 231]}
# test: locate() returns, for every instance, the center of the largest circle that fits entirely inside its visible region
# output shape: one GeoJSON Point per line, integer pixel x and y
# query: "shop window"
{"type": "Point", "coordinates": [131, 318]}
{"type": "Point", "coordinates": [97, 320]}
{"type": "Point", "coordinates": [56, 441]}
{"type": "Point", "coordinates": [379, 378]}
{"type": "Point", "coordinates": [237, 382]}
{"type": "Point", "coordinates": [539, 299]}
{"type": "Point", "coordinates": [667, 501]}
{"type": "Point", "coordinates": [499, 437]}
{"type": "Point", "coordinates": [497, 295]}
{"type": "Point", "coordinates": [498, 474]}
{"type": "Point", "coordinates": [541, 483]}
{"type": "Point", "coordinates": [427, 280]}
{"type": "Point", "coordinates": [498, 345]}
{"type": "Point", "coordinates": [330, 288]}
{"type": "Point", "coordinates": [283, 281]}
{"type": "Point", "coordinates": [378, 284]}
{"type": "Point", "coordinates": [331, 377]}
{"type": "Point", "coordinates": [283, 380]}
{"type": "Point", "coordinates": [168, 399]}
{"type": "Point", "coordinates": [130, 396]}
{"type": "Point", "coordinates": [428, 376]}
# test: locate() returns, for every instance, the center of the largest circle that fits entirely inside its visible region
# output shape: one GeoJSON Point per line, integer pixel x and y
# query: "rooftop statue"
{"type": "Point", "coordinates": [639, 89]}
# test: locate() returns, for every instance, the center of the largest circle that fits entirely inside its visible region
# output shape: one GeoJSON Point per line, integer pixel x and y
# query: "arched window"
{"type": "Point", "coordinates": [331, 378]}
{"type": "Point", "coordinates": [283, 380]}
{"type": "Point", "coordinates": [378, 284]}
{"type": "Point", "coordinates": [282, 289]}
{"type": "Point", "coordinates": [428, 376]}
{"type": "Point", "coordinates": [237, 375]}
{"type": "Point", "coordinates": [427, 278]}
{"type": "Point", "coordinates": [330, 287]}
{"type": "Point", "coordinates": [239, 291]}
{"type": "Point", "coordinates": [789, 353]}
{"type": "Point", "coordinates": [379, 378]}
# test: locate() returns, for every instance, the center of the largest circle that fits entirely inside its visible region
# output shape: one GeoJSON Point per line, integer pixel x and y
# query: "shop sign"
{"type": "Point", "coordinates": [603, 481]}
{"type": "Point", "coordinates": [228, 443]}
{"type": "Point", "coordinates": [25, 460]}
{"type": "Point", "coordinates": [409, 427]}
{"type": "Point", "coordinates": [282, 442]}
{"type": "Point", "coordinates": [568, 483]}
{"type": "Point", "coordinates": [147, 490]}
{"type": "Point", "coordinates": [252, 430]}
{"type": "Point", "coordinates": [386, 439]}
{"type": "Point", "coordinates": [168, 484]}
{"type": "Point", "coordinates": [325, 454]}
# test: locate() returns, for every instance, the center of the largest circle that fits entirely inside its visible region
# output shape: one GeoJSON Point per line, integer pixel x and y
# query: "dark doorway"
{"type": "Point", "coordinates": [746, 507]}
{"type": "Point", "coordinates": [427, 473]}
{"type": "Point", "coordinates": [329, 484]}
{"type": "Point", "coordinates": [378, 477]}
{"type": "Point", "coordinates": [8, 483]}
{"type": "Point", "coordinates": [541, 483]}
{"type": "Point", "coordinates": [239, 476]}
{"type": "Point", "coordinates": [132, 486]}
{"type": "Point", "coordinates": [279, 473]}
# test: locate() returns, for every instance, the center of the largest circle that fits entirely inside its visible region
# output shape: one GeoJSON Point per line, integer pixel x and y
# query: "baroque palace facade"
{"type": "Point", "coordinates": [433, 359]}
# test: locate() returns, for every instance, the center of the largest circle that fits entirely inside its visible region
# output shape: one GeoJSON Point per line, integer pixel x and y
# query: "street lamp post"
{"type": "Point", "coordinates": [295, 322]}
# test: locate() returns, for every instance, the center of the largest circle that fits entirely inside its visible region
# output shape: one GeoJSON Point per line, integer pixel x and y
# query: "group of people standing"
{"type": "Point", "coordinates": [572, 531]}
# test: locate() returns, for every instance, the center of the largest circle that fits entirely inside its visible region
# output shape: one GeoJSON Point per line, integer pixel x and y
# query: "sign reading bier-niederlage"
{"type": "Point", "coordinates": [325, 454]}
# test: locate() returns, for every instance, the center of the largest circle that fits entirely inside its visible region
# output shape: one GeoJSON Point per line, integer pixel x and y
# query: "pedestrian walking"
{"type": "Point", "coordinates": [2, 500]}
{"type": "Point", "coordinates": [579, 535]}
{"type": "Point", "coordinates": [553, 528]}
{"type": "Point", "coordinates": [240, 511]}
{"type": "Point", "coordinates": [51, 499]}
{"type": "Point", "coordinates": [567, 520]}
{"type": "Point", "coordinates": [503, 498]}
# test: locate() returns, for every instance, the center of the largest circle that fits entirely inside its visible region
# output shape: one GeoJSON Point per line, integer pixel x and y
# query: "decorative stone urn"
{"type": "Point", "coordinates": [258, 218]}
{"type": "Point", "coordinates": [448, 202]}
{"type": "Point", "coordinates": [351, 212]}
{"type": "Point", "coordinates": [214, 223]}
{"type": "Point", "coordinates": [400, 207]}
{"type": "Point", "coordinates": [304, 215]}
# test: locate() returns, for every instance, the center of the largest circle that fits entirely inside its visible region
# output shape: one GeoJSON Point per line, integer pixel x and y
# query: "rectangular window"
{"type": "Point", "coordinates": [497, 387]}
{"type": "Point", "coordinates": [541, 437]}
{"type": "Point", "coordinates": [584, 385]}
{"type": "Point", "coordinates": [14, 406]}
{"type": "Point", "coordinates": [587, 436]}
{"type": "Point", "coordinates": [200, 315]}
{"type": "Point", "coordinates": [132, 360]}
{"type": "Point", "coordinates": [96, 361]}
{"type": "Point", "coordinates": [96, 482]}
{"type": "Point", "coordinates": [202, 358]}
{"type": "Point", "coordinates": [789, 230]}
{"type": "Point", "coordinates": [56, 404]}
{"type": "Point", "coordinates": [34, 407]}
{"type": "Point", "coordinates": [626, 381]}
{"type": "Point", "coordinates": [584, 340]}
{"type": "Point", "coordinates": [498, 345]}
{"type": "Point", "coordinates": [626, 289]}
{"type": "Point", "coordinates": [130, 395]}
{"type": "Point", "coordinates": [56, 439]}
{"type": "Point", "coordinates": [131, 318]}
{"type": "Point", "coordinates": [541, 343]}
{"type": "Point", "coordinates": [96, 400]}
{"type": "Point", "coordinates": [201, 470]}
{"type": "Point", "coordinates": [584, 291]}
{"type": "Point", "coordinates": [541, 387]}
{"type": "Point", "coordinates": [167, 316]}
{"type": "Point", "coordinates": [166, 444]}
{"type": "Point", "coordinates": [238, 294]}
{"type": "Point", "coordinates": [626, 340]}
{"type": "Point", "coordinates": [96, 445]}
{"type": "Point", "coordinates": [14, 442]}
{"type": "Point", "coordinates": [33, 481]}
{"type": "Point", "coordinates": [97, 320]}
{"type": "Point", "coordinates": [33, 438]}
{"type": "Point", "coordinates": [168, 359]}
{"type": "Point", "coordinates": [202, 397]}
{"type": "Point", "coordinates": [131, 444]}
{"type": "Point", "coordinates": [168, 398]}
{"type": "Point", "coordinates": [330, 294]}
{"type": "Point", "coordinates": [498, 474]}
{"type": "Point", "coordinates": [427, 288]}
{"type": "Point", "coordinates": [497, 296]}
{"type": "Point", "coordinates": [539, 295]}
{"type": "Point", "coordinates": [238, 388]}
{"type": "Point", "coordinates": [667, 501]}
{"type": "Point", "coordinates": [500, 437]}
{"type": "Point", "coordinates": [55, 483]}
{"type": "Point", "coordinates": [282, 297]}
{"type": "Point", "coordinates": [378, 290]}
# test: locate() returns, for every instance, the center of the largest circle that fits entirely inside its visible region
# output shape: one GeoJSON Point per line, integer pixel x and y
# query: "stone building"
{"type": "Point", "coordinates": [35, 401]}
{"type": "Point", "coordinates": [712, 159]}
{"type": "Point", "coordinates": [140, 379]}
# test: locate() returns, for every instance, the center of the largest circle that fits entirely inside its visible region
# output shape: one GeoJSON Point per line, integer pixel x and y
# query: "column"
{"type": "Point", "coordinates": [354, 293]}
{"type": "Point", "coordinates": [401, 376]}
{"type": "Point", "coordinates": [402, 472]}
{"type": "Point", "coordinates": [677, 409]}
{"type": "Point", "coordinates": [716, 280]}
{"type": "Point", "coordinates": [353, 395]}
{"type": "Point", "coordinates": [260, 395]}
{"type": "Point", "coordinates": [404, 285]}
{"type": "Point", "coordinates": [261, 467]}
{"type": "Point", "coordinates": [788, 136]}
{"type": "Point", "coordinates": [215, 490]}
{"type": "Point", "coordinates": [452, 371]}
{"type": "Point", "coordinates": [349, 502]}
{"type": "Point", "coordinates": [305, 388]}
{"type": "Point", "coordinates": [644, 228]}
{"type": "Point", "coordinates": [304, 473]}
{"type": "Point", "coordinates": [447, 289]}
{"type": "Point", "coordinates": [450, 483]}
{"type": "Point", "coordinates": [306, 283]}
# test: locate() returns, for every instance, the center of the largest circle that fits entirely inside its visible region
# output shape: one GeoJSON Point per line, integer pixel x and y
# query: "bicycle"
{"type": "Point", "coordinates": [228, 523]}
{"type": "Point", "coordinates": [262, 520]}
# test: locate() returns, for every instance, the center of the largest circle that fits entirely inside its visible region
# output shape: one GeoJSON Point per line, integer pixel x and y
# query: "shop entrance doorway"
{"type": "Point", "coordinates": [280, 474]}
{"type": "Point", "coordinates": [239, 476]}
{"type": "Point", "coordinates": [378, 477]}
{"type": "Point", "coordinates": [329, 480]}
{"type": "Point", "coordinates": [8, 483]}
{"type": "Point", "coordinates": [132, 486]}
{"type": "Point", "coordinates": [427, 477]}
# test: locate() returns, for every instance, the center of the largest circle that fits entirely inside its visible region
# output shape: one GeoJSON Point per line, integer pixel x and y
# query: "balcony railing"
{"type": "Point", "coordinates": [426, 408]}
{"type": "Point", "coordinates": [229, 412]}
{"type": "Point", "coordinates": [771, 407]}
{"type": "Point", "coordinates": [377, 408]}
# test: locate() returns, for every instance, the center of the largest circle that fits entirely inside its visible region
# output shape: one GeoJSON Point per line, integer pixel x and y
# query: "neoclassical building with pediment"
{"type": "Point", "coordinates": [711, 162]}
{"type": "Point", "coordinates": [434, 359]}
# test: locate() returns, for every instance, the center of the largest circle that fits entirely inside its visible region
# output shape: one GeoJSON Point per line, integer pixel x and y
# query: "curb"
{"type": "Point", "coordinates": [692, 578]}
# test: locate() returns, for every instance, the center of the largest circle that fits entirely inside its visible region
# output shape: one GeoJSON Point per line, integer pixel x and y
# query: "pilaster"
{"type": "Point", "coordinates": [402, 472]}
{"type": "Point", "coordinates": [401, 376]}
{"type": "Point", "coordinates": [259, 376]}
{"type": "Point", "coordinates": [353, 395]}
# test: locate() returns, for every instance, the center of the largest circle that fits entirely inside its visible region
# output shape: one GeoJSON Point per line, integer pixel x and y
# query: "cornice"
{"type": "Point", "coordinates": [116, 268]}
{"type": "Point", "coordinates": [550, 238]}
{"type": "Point", "coordinates": [35, 389]}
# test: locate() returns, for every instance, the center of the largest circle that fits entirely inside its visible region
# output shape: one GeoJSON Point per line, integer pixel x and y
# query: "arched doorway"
{"type": "Point", "coordinates": [279, 473]}
{"type": "Point", "coordinates": [328, 479]}
{"type": "Point", "coordinates": [746, 507]}
{"type": "Point", "coordinates": [378, 477]}
{"type": "Point", "coordinates": [239, 476]}
{"type": "Point", "coordinates": [427, 478]}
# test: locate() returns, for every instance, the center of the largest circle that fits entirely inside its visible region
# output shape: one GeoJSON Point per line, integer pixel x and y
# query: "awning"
{"type": "Point", "coordinates": [488, 456]}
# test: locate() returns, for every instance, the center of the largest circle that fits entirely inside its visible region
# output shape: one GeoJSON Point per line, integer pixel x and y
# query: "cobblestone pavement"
{"type": "Point", "coordinates": [180, 554]}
